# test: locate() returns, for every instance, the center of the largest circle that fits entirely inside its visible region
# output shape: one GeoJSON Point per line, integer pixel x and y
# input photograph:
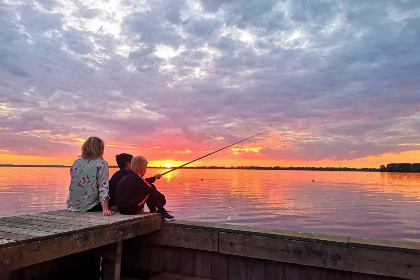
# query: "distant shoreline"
{"type": "Point", "coordinates": [237, 168]}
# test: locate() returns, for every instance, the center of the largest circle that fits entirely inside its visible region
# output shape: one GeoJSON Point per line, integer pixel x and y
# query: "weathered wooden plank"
{"type": "Point", "coordinates": [20, 236]}
{"type": "Point", "coordinates": [67, 218]}
{"type": "Point", "coordinates": [114, 219]}
{"type": "Point", "coordinates": [187, 261]}
{"type": "Point", "coordinates": [404, 264]}
{"type": "Point", "coordinates": [27, 225]}
{"type": "Point", "coordinates": [205, 240]}
{"type": "Point", "coordinates": [172, 259]}
{"type": "Point", "coordinates": [28, 254]}
{"type": "Point", "coordinates": [203, 264]}
{"type": "Point", "coordinates": [74, 223]}
{"type": "Point", "coordinates": [316, 273]}
{"type": "Point", "coordinates": [34, 219]}
{"type": "Point", "coordinates": [174, 276]}
{"type": "Point", "coordinates": [274, 270]}
{"type": "Point", "coordinates": [294, 271]}
{"type": "Point", "coordinates": [22, 231]}
{"type": "Point", "coordinates": [338, 275]}
{"type": "Point", "coordinates": [92, 217]}
{"type": "Point", "coordinates": [291, 235]}
{"type": "Point", "coordinates": [237, 268]}
{"type": "Point", "coordinates": [386, 278]}
{"type": "Point", "coordinates": [61, 213]}
{"type": "Point", "coordinates": [78, 222]}
{"type": "Point", "coordinates": [283, 250]}
{"type": "Point", "coordinates": [38, 235]}
{"type": "Point", "coordinates": [364, 260]}
{"type": "Point", "coordinates": [157, 259]}
{"type": "Point", "coordinates": [396, 246]}
{"type": "Point", "coordinates": [255, 269]}
{"type": "Point", "coordinates": [117, 217]}
{"type": "Point", "coordinates": [360, 276]}
{"type": "Point", "coordinates": [12, 237]}
{"type": "Point", "coordinates": [219, 266]}
{"type": "Point", "coordinates": [404, 246]}
{"type": "Point", "coordinates": [48, 222]}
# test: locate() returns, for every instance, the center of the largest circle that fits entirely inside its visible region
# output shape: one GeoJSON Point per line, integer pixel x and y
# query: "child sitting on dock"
{"type": "Point", "coordinates": [124, 163]}
{"type": "Point", "coordinates": [88, 189]}
{"type": "Point", "coordinates": [132, 191]}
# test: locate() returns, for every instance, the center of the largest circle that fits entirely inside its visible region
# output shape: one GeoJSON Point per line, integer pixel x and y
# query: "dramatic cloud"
{"type": "Point", "coordinates": [329, 79]}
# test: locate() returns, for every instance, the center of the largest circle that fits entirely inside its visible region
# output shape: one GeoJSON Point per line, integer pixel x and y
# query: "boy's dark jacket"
{"type": "Point", "coordinates": [127, 190]}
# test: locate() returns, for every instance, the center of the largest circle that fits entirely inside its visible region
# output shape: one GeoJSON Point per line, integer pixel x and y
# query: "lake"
{"type": "Point", "coordinates": [358, 204]}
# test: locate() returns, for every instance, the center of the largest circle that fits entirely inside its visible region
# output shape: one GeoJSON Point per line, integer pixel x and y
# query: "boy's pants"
{"type": "Point", "coordinates": [156, 200]}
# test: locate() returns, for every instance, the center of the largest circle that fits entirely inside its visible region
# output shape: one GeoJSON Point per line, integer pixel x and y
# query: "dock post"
{"type": "Point", "coordinates": [111, 262]}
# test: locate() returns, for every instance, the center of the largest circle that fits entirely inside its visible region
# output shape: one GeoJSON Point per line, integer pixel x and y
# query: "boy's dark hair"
{"type": "Point", "coordinates": [122, 159]}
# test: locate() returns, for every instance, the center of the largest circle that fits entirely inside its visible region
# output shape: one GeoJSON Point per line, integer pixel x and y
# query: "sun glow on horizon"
{"type": "Point", "coordinates": [168, 165]}
{"type": "Point", "coordinates": [242, 159]}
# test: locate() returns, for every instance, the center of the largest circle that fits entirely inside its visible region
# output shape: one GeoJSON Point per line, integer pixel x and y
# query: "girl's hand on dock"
{"type": "Point", "coordinates": [157, 176]}
{"type": "Point", "coordinates": [105, 209]}
{"type": "Point", "coordinates": [107, 212]}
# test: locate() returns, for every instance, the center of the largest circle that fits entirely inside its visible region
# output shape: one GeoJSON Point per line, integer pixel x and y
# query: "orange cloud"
{"type": "Point", "coordinates": [245, 155]}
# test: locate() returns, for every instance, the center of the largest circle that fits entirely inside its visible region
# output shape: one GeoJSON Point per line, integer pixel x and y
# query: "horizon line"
{"type": "Point", "coordinates": [197, 167]}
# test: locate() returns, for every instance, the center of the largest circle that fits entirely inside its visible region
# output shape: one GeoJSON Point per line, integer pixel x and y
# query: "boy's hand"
{"type": "Point", "coordinates": [157, 176]}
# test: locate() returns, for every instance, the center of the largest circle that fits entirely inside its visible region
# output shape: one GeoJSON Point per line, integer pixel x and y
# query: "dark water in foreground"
{"type": "Point", "coordinates": [359, 204]}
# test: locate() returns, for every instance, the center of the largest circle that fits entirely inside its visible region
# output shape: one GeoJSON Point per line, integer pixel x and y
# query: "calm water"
{"type": "Point", "coordinates": [359, 204]}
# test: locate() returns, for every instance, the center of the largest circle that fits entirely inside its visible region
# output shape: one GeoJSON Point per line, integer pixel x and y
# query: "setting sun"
{"type": "Point", "coordinates": [168, 165]}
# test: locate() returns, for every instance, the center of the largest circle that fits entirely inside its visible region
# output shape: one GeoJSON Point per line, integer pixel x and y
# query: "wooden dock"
{"type": "Point", "coordinates": [27, 240]}
{"type": "Point", "coordinates": [229, 252]}
{"type": "Point", "coordinates": [64, 245]}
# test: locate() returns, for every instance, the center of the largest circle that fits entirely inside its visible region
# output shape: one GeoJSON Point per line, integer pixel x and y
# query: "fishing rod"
{"type": "Point", "coordinates": [210, 154]}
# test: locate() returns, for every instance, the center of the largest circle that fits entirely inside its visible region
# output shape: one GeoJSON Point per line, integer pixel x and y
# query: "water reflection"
{"type": "Point", "coordinates": [361, 204]}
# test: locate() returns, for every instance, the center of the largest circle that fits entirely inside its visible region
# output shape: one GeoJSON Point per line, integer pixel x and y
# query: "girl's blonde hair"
{"type": "Point", "coordinates": [93, 148]}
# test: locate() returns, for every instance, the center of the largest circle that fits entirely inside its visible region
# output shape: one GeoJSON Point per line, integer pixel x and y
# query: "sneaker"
{"type": "Point", "coordinates": [167, 217]}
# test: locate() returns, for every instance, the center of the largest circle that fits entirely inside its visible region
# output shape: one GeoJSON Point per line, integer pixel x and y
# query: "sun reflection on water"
{"type": "Point", "coordinates": [361, 204]}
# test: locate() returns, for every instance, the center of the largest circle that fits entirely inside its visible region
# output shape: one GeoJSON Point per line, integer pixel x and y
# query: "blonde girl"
{"type": "Point", "coordinates": [89, 185]}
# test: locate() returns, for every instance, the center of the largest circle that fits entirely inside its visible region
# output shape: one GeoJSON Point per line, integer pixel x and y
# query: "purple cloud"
{"type": "Point", "coordinates": [345, 73]}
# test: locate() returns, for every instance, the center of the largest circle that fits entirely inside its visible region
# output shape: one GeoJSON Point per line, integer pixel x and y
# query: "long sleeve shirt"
{"type": "Point", "coordinates": [114, 181]}
{"type": "Point", "coordinates": [89, 184]}
{"type": "Point", "coordinates": [131, 191]}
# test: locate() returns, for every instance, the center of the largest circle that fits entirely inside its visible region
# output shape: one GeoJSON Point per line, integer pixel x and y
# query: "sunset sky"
{"type": "Point", "coordinates": [330, 83]}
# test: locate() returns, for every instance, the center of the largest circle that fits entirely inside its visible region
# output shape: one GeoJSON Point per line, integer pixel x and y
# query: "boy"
{"type": "Point", "coordinates": [132, 190]}
{"type": "Point", "coordinates": [124, 163]}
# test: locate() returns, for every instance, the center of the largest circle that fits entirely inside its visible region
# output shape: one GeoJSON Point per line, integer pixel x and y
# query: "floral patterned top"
{"type": "Point", "coordinates": [89, 184]}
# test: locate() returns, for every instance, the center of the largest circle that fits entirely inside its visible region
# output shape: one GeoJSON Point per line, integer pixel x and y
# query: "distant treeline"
{"type": "Point", "coordinates": [392, 167]}
{"type": "Point", "coordinates": [401, 167]}
{"type": "Point", "coordinates": [37, 165]}
{"type": "Point", "coordinates": [285, 168]}
{"type": "Point", "coordinates": [31, 165]}
{"type": "Point", "coordinates": [222, 167]}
